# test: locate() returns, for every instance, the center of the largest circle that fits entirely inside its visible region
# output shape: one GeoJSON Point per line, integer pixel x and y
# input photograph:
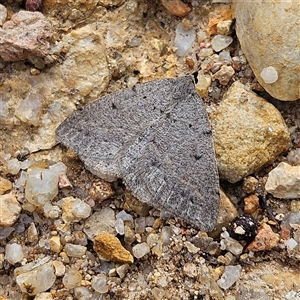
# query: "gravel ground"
{"type": "Point", "coordinates": [172, 260]}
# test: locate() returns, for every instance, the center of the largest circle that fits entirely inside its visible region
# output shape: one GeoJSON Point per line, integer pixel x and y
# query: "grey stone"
{"type": "Point", "coordinates": [156, 136]}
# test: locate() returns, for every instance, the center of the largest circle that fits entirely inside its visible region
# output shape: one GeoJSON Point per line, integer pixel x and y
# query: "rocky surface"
{"type": "Point", "coordinates": [53, 211]}
{"type": "Point", "coordinates": [275, 30]}
{"type": "Point", "coordinates": [248, 133]}
{"type": "Point", "coordinates": [26, 34]}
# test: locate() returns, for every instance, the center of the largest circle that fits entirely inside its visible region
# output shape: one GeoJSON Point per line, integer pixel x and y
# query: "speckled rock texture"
{"type": "Point", "coordinates": [26, 34]}
{"type": "Point", "coordinates": [110, 248]}
{"type": "Point", "coordinates": [268, 32]}
{"type": "Point", "coordinates": [81, 76]}
{"type": "Point", "coordinates": [248, 132]}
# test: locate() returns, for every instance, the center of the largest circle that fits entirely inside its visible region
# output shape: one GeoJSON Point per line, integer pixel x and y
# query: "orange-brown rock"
{"type": "Point", "coordinates": [108, 247]}
{"type": "Point", "coordinates": [218, 15]}
{"type": "Point", "coordinates": [101, 190]}
{"type": "Point", "coordinates": [265, 239]}
{"type": "Point", "coordinates": [176, 7]}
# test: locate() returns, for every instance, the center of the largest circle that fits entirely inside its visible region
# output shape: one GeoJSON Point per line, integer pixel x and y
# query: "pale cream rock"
{"type": "Point", "coordinates": [14, 253]}
{"type": "Point", "coordinates": [249, 184]}
{"type": "Point", "coordinates": [55, 244]}
{"type": "Point", "coordinates": [30, 109]}
{"type": "Point", "coordinates": [140, 250]}
{"type": "Point", "coordinates": [73, 10]}
{"type": "Point", "coordinates": [271, 38]}
{"type": "Point", "coordinates": [41, 186]}
{"type": "Point", "coordinates": [224, 27]}
{"type": "Point", "coordinates": [190, 270]}
{"type": "Point", "coordinates": [71, 278]}
{"type": "Point", "coordinates": [203, 83]}
{"type": "Point", "coordinates": [59, 267]}
{"type": "Point", "coordinates": [73, 250]}
{"type": "Point", "coordinates": [103, 220]}
{"type": "Point", "coordinates": [32, 233]}
{"type": "Point", "coordinates": [248, 133]}
{"type": "Point", "coordinates": [3, 14]}
{"type": "Point", "coordinates": [224, 75]}
{"type": "Point", "coordinates": [284, 181]}
{"type": "Point", "coordinates": [37, 280]}
{"type": "Point", "coordinates": [74, 210]}
{"type": "Point", "coordinates": [85, 66]}
{"type": "Point", "coordinates": [10, 209]}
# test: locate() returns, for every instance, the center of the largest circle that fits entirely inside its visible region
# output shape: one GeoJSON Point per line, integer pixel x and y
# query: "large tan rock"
{"type": "Point", "coordinates": [268, 32]}
{"type": "Point", "coordinates": [248, 133]}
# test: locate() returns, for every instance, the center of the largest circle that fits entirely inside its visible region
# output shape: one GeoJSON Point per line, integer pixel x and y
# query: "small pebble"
{"type": "Point", "coordinates": [230, 244]}
{"type": "Point", "coordinates": [32, 234]}
{"type": "Point", "coordinates": [122, 270]}
{"type": "Point", "coordinates": [59, 267]}
{"type": "Point", "coordinates": [269, 74]}
{"type": "Point", "coordinates": [251, 204]}
{"type": "Point", "coordinates": [190, 270]}
{"type": "Point", "coordinates": [249, 184]}
{"type": "Point", "coordinates": [224, 75]}
{"type": "Point", "coordinates": [13, 253]}
{"type": "Point", "coordinates": [109, 248]}
{"type": "Point", "coordinates": [101, 190]}
{"type": "Point", "coordinates": [71, 278]}
{"type": "Point", "coordinates": [229, 277]}
{"type": "Point", "coordinates": [284, 181]}
{"type": "Point", "coordinates": [10, 209]}
{"type": "Point", "coordinates": [5, 185]}
{"type": "Point", "coordinates": [223, 27]}
{"type": "Point", "coordinates": [103, 220]}
{"type": "Point", "coordinates": [243, 227]}
{"type": "Point", "coordinates": [140, 250]}
{"type": "Point", "coordinates": [176, 7]}
{"type": "Point", "coordinates": [13, 166]}
{"type": "Point", "coordinates": [43, 296]}
{"type": "Point", "coordinates": [73, 250]}
{"type": "Point", "coordinates": [33, 282]}
{"type": "Point", "coordinates": [220, 42]}
{"type": "Point", "coordinates": [99, 284]}
{"type": "Point", "coordinates": [184, 39]}
{"type": "Point", "coordinates": [265, 239]}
